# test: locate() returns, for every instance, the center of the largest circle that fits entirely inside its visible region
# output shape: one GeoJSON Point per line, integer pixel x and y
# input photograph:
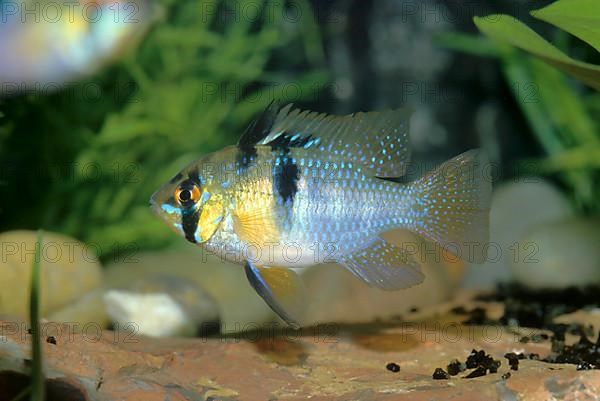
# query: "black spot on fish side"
{"type": "Point", "coordinates": [286, 180]}
{"type": "Point", "coordinates": [189, 223]}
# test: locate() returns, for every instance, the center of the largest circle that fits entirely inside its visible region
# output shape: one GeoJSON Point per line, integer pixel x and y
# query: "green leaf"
{"type": "Point", "coordinates": [581, 158]}
{"type": "Point", "coordinates": [565, 108]}
{"type": "Point", "coordinates": [580, 18]}
{"type": "Point", "coordinates": [532, 81]}
{"type": "Point", "coordinates": [467, 43]}
{"type": "Point", "coordinates": [505, 28]}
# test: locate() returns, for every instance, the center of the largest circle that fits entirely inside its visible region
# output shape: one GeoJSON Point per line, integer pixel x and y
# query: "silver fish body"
{"type": "Point", "coordinates": [336, 210]}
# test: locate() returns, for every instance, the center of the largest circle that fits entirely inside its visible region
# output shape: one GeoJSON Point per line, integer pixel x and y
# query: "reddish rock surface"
{"type": "Point", "coordinates": [323, 363]}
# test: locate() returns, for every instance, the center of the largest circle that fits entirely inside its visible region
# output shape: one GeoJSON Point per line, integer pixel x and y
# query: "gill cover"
{"type": "Point", "coordinates": [210, 216]}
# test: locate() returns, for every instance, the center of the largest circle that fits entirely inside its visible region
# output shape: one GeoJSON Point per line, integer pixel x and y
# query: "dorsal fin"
{"type": "Point", "coordinates": [376, 140]}
{"type": "Point", "coordinates": [259, 128]}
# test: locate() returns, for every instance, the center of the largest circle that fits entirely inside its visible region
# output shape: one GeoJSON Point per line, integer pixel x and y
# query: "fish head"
{"type": "Point", "coordinates": [191, 203]}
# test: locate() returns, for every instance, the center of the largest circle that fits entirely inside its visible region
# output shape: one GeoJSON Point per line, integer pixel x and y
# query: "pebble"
{"type": "Point", "coordinates": [517, 206]}
{"type": "Point", "coordinates": [89, 309]}
{"type": "Point", "coordinates": [69, 270]}
{"type": "Point", "coordinates": [559, 255]}
{"type": "Point", "coordinates": [162, 306]}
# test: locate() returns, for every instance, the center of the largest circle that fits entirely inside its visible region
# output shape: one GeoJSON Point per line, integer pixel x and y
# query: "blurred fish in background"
{"type": "Point", "coordinates": [45, 44]}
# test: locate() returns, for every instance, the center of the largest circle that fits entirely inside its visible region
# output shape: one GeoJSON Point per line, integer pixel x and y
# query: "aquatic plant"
{"type": "Point", "coordinates": [36, 388]}
{"type": "Point", "coordinates": [560, 111]}
{"type": "Point", "coordinates": [37, 372]}
{"type": "Point", "coordinates": [85, 160]}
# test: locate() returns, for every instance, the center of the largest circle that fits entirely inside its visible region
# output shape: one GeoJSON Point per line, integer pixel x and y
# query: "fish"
{"type": "Point", "coordinates": [46, 45]}
{"type": "Point", "coordinates": [303, 188]}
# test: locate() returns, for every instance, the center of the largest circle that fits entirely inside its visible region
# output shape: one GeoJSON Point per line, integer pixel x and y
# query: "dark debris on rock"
{"type": "Point", "coordinates": [525, 307]}
{"type": "Point", "coordinates": [440, 374]}
{"type": "Point", "coordinates": [393, 367]}
{"type": "Point", "coordinates": [478, 362]}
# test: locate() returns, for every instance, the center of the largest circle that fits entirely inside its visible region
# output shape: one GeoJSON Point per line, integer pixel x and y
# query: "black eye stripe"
{"type": "Point", "coordinates": [189, 215]}
{"type": "Point", "coordinates": [189, 223]}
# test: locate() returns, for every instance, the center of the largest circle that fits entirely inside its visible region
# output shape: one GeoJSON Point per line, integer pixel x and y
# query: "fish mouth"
{"type": "Point", "coordinates": [157, 205]}
{"type": "Point", "coordinates": [154, 204]}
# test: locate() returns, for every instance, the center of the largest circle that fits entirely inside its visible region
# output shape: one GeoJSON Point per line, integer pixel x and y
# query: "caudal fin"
{"type": "Point", "coordinates": [452, 205]}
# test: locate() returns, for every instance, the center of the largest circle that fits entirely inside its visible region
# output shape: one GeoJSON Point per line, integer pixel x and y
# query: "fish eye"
{"type": "Point", "coordinates": [187, 193]}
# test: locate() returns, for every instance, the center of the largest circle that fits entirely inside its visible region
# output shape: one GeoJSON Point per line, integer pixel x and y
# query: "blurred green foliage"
{"type": "Point", "coordinates": [562, 114]}
{"type": "Point", "coordinates": [85, 161]}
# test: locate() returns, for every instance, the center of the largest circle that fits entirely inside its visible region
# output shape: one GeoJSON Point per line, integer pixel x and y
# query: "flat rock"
{"type": "Point", "coordinates": [329, 362]}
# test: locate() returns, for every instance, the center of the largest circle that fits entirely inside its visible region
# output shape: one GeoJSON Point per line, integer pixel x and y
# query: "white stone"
{"type": "Point", "coordinates": [517, 206]}
{"type": "Point", "coordinates": [153, 315]}
{"type": "Point", "coordinates": [559, 255]}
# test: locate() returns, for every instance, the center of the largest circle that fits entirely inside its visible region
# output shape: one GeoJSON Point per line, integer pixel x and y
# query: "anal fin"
{"type": "Point", "coordinates": [281, 289]}
{"type": "Point", "coordinates": [384, 265]}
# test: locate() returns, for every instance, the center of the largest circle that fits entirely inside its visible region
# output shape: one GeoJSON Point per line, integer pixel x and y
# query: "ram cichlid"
{"type": "Point", "coordinates": [302, 188]}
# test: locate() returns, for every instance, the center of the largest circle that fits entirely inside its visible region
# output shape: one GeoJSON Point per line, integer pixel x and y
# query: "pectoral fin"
{"type": "Point", "coordinates": [281, 289]}
{"type": "Point", "coordinates": [384, 265]}
{"type": "Point", "coordinates": [257, 225]}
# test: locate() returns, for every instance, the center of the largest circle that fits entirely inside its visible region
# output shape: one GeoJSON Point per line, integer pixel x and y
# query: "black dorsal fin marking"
{"type": "Point", "coordinates": [259, 128]}
{"type": "Point", "coordinates": [286, 141]}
